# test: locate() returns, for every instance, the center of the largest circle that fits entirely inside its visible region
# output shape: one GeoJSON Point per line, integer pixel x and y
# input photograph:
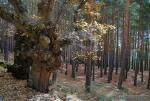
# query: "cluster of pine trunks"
{"type": "Point", "coordinates": [119, 59]}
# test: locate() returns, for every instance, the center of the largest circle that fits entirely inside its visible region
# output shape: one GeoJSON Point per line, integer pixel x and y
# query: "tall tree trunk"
{"type": "Point", "coordinates": [73, 75]}
{"type": "Point", "coordinates": [140, 47]}
{"type": "Point", "coordinates": [106, 53]}
{"type": "Point", "coordinates": [85, 68]}
{"type": "Point", "coordinates": [101, 64]}
{"type": "Point", "coordinates": [136, 68]}
{"type": "Point", "coordinates": [142, 55]}
{"type": "Point", "coordinates": [134, 56]}
{"type": "Point", "coordinates": [88, 75]}
{"type": "Point", "coordinates": [148, 84]}
{"type": "Point", "coordinates": [124, 44]}
{"type": "Point", "coordinates": [89, 46]}
{"type": "Point", "coordinates": [117, 44]}
{"type": "Point", "coordinates": [106, 40]}
{"type": "Point", "coordinates": [112, 44]}
{"type": "Point", "coordinates": [127, 60]}
{"type": "Point", "coordinates": [66, 69]}
{"type": "Point", "coordinates": [146, 54]}
{"type": "Point", "coordinates": [93, 70]}
{"type": "Point", "coordinates": [6, 47]}
{"type": "Point", "coordinates": [54, 77]}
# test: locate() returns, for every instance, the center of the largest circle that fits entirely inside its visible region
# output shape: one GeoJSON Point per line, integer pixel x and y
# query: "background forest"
{"type": "Point", "coordinates": [94, 49]}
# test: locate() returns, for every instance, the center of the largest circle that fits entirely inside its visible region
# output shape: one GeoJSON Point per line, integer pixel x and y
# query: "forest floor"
{"type": "Point", "coordinates": [100, 87]}
{"type": "Point", "coordinates": [16, 90]}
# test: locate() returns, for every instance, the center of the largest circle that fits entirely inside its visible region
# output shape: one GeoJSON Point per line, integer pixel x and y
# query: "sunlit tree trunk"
{"type": "Point", "coordinates": [128, 48]}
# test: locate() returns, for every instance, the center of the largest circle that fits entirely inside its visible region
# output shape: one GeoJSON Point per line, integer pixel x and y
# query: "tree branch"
{"type": "Point", "coordinates": [18, 6]}
{"type": "Point", "coordinates": [82, 3]}
{"type": "Point", "coordinates": [45, 8]}
{"type": "Point", "coordinates": [64, 42]}
{"type": "Point", "coordinates": [8, 16]}
{"type": "Point", "coordinates": [15, 20]}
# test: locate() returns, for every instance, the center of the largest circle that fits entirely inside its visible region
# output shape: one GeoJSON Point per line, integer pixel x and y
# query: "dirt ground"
{"type": "Point", "coordinates": [16, 90]}
{"type": "Point", "coordinates": [110, 89]}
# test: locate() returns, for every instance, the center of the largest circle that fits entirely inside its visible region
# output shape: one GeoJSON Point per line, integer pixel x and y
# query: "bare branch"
{"type": "Point", "coordinates": [45, 8]}
{"type": "Point", "coordinates": [18, 6]}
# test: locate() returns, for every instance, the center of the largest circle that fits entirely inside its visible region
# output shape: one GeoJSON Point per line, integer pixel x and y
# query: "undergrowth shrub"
{"type": "Point", "coordinates": [18, 71]}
